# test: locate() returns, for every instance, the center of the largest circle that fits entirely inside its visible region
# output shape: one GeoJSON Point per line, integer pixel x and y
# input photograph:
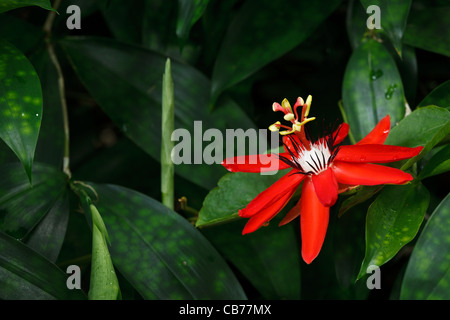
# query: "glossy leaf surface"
{"type": "Point", "coordinates": [392, 221]}
{"type": "Point", "coordinates": [159, 252]}
{"type": "Point", "coordinates": [372, 89]}
{"type": "Point", "coordinates": [20, 104]}
{"type": "Point", "coordinates": [427, 275]}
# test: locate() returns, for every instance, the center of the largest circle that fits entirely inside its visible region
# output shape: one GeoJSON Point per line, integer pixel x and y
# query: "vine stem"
{"type": "Point", "coordinates": [61, 87]}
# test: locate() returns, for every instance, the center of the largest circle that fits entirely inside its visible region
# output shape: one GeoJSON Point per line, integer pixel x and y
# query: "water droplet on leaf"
{"type": "Point", "coordinates": [375, 74]}
{"type": "Point", "coordinates": [390, 91]}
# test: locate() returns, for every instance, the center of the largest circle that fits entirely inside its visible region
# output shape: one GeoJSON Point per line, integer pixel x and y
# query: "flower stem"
{"type": "Point", "coordinates": [167, 127]}
{"type": "Point", "coordinates": [61, 88]}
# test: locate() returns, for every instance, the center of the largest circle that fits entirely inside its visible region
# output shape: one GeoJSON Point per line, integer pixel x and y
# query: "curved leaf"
{"type": "Point", "coordinates": [234, 191]}
{"type": "Point", "coordinates": [438, 163]}
{"type": "Point", "coordinates": [372, 88]}
{"type": "Point", "coordinates": [26, 275]}
{"type": "Point", "coordinates": [23, 206]}
{"type": "Point", "coordinates": [135, 102]}
{"type": "Point", "coordinates": [427, 275]}
{"type": "Point", "coordinates": [428, 29]}
{"type": "Point", "coordinates": [261, 32]}
{"type": "Point", "coordinates": [394, 15]}
{"type": "Point", "coordinates": [159, 252]}
{"type": "Point", "coordinates": [438, 97]}
{"type": "Point", "coordinates": [7, 5]}
{"type": "Point", "coordinates": [392, 221]}
{"type": "Point", "coordinates": [269, 259]}
{"type": "Point", "coordinates": [20, 104]}
{"type": "Point", "coordinates": [425, 127]}
{"type": "Point", "coordinates": [189, 11]}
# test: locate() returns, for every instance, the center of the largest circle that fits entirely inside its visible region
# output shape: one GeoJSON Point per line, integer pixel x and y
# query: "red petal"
{"type": "Point", "coordinates": [313, 222]}
{"type": "Point", "coordinates": [378, 134]}
{"type": "Point", "coordinates": [284, 185]}
{"type": "Point", "coordinates": [368, 174]}
{"type": "Point", "coordinates": [341, 133]}
{"type": "Point", "coordinates": [326, 187]}
{"type": "Point", "coordinates": [291, 215]}
{"type": "Point", "coordinates": [267, 213]}
{"type": "Point", "coordinates": [378, 153]}
{"type": "Point", "coordinates": [255, 163]}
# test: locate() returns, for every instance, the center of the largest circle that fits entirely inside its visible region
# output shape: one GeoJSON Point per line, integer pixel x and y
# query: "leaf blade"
{"type": "Point", "coordinates": [159, 252]}
{"type": "Point", "coordinates": [393, 220]}
{"type": "Point", "coordinates": [21, 104]}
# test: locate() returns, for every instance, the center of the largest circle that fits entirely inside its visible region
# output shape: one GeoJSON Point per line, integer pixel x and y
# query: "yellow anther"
{"type": "Point", "coordinates": [308, 105]}
{"type": "Point", "coordinates": [286, 105]}
{"type": "Point", "coordinates": [289, 116]}
{"type": "Point", "coordinates": [275, 127]}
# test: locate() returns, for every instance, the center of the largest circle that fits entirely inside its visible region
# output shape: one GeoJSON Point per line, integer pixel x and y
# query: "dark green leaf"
{"type": "Point", "coordinates": [159, 252]}
{"type": "Point", "coordinates": [23, 206]}
{"type": "Point", "coordinates": [20, 104]}
{"type": "Point", "coordinates": [261, 32]}
{"type": "Point", "coordinates": [429, 29]}
{"type": "Point", "coordinates": [362, 194]}
{"type": "Point", "coordinates": [269, 258]}
{"type": "Point", "coordinates": [392, 221]}
{"type": "Point", "coordinates": [372, 88]}
{"type": "Point", "coordinates": [50, 145]}
{"type": "Point", "coordinates": [355, 23]}
{"type": "Point", "coordinates": [48, 236]}
{"type": "Point", "coordinates": [393, 15]}
{"type": "Point", "coordinates": [189, 11]}
{"type": "Point", "coordinates": [234, 191]}
{"type": "Point", "coordinates": [26, 275]}
{"type": "Point", "coordinates": [427, 275]}
{"type": "Point", "coordinates": [22, 34]}
{"type": "Point", "coordinates": [425, 127]}
{"type": "Point", "coordinates": [104, 284]}
{"type": "Point", "coordinates": [124, 19]}
{"type": "Point", "coordinates": [439, 163]}
{"type": "Point", "coordinates": [7, 5]}
{"type": "Point", "coordinates": [135, 103]}
{"type": "Point", "coordinates": [439, 96]}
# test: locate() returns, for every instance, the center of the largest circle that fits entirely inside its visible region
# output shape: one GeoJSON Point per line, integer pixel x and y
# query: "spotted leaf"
{"type": "Point", "coordinates": [20, 104]}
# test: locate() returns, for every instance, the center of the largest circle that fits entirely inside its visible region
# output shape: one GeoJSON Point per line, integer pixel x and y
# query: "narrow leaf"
{"type": "Point", "coordinates": [167, 167]}
{"type": "Point", "coordinates": [104, 284]}
{"type": "Point", "coordinates": [26, 275]}
{"type": "Point", "coordinates": [189, 11]}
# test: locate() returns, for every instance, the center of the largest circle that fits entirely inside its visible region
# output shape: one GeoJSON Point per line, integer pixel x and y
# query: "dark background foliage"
{"type": "Point", "coordinates": [112, 70]}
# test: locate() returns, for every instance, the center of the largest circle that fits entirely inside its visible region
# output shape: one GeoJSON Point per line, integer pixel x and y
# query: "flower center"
{"type": "Point", "coordinates": [316, 159]}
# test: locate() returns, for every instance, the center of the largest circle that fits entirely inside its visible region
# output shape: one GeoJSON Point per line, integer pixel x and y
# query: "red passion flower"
{"type": "Point", "coordinates": [326, 169]}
